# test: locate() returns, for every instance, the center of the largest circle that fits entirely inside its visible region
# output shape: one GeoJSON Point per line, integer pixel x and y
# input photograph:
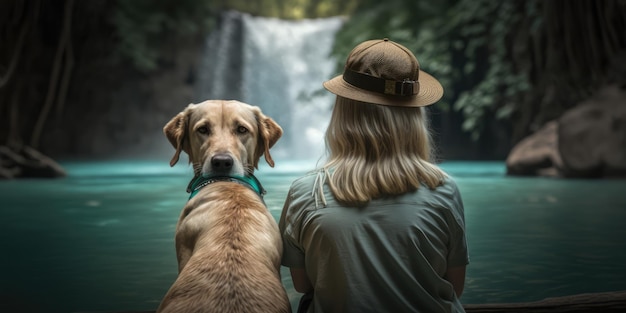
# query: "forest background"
{"type": "Point", "coordinates": [77, 77]}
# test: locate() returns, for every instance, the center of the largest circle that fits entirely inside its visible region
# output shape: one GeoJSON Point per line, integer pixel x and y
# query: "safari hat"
{"type": "Point", "coordinates": [386, 73]}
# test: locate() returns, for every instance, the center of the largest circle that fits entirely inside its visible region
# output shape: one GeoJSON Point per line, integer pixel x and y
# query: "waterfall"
{"type": "Point", "coordinates": [279, 66]}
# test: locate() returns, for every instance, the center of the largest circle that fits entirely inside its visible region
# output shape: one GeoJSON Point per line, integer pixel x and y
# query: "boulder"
{"type": "Point", "coordinates": [537, 154]}
{"type": "Point", "coordinates": [592, 136]}
{"type": "Point", "coordinates": [587, 141]}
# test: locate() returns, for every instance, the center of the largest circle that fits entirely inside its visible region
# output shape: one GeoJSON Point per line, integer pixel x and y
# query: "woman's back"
{"type": "Point", "coordinates": [379, 228]}
{"type": "Point", "coordinates": [387, 256]}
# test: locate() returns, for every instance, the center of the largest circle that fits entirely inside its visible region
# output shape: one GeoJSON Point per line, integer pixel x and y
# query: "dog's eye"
{"type": "Point", "coordinates": [203, 130]}
{"type": "Point", "coordinates": [242, 130]}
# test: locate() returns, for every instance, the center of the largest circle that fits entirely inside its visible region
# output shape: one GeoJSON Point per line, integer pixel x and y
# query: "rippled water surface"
{"type": "Point", "coordinates": [102, 238]}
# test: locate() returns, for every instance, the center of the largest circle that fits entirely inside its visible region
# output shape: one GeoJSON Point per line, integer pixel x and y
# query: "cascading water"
{"type": "Point", "coordinates": [279, 66]}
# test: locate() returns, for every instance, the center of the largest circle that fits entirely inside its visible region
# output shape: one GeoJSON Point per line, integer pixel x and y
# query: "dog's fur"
{"type": "Point", "coordinates": [227, 243]}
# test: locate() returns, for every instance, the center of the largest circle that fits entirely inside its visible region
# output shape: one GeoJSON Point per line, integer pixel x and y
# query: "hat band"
{"type": "Point", "coordinates": [380, 85]}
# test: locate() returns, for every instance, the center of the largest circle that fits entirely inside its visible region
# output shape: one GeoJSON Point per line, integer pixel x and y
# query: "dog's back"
{"type": "Point", "coordinates": [229, 249]}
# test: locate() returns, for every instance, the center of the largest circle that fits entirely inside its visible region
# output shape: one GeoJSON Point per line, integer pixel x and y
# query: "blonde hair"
{"type": "Point", "coordinates": [376, 150]}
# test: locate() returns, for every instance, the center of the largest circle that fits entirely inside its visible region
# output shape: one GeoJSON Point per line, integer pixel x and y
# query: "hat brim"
{"type": "Point", "coordinates": [430, 92]}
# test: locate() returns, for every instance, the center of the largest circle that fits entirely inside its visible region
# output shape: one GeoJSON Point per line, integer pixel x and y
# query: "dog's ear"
{"type": "Point", "coordinates": [269, 133]}
{"type": "Point", "coordinates": [176, 132]}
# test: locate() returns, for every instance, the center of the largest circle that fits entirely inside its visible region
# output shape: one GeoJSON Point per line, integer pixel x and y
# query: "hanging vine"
{"type": "Point", "coordinates": [59, 74]}
{"type": "Point", "coordinates": [18, 18]}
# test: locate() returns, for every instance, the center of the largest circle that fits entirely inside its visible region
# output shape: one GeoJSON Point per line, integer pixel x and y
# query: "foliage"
{"type": "Point", "coordinates": [520, 61]}
{"type": "Point", "coordinates": [461, 42]}
{"type": "Point", "coordinates": [141, 24]}
{"type": "Point", "coordinates": [484, 28]}
{"type": "Point", "coordinates": [291, 9]}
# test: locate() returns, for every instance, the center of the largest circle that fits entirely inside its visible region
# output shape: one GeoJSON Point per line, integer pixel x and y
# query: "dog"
{"type": "Point", "coordinates": [228, 245]}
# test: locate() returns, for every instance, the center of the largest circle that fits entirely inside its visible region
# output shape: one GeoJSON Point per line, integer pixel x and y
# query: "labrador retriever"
{"type": "Point", "coordinates": [227, 244]}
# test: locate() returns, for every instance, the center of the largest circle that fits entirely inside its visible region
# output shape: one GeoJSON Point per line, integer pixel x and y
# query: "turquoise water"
{"type": "Point", "coordinates": [102, 238]}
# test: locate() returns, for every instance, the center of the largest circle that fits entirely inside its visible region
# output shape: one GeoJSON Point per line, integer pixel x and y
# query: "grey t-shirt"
{"type": "Point", "coordinates": [388, 256]}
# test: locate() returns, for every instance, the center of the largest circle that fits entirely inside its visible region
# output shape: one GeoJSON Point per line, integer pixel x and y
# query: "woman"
{"type": "Point", "coordinates": [378, 228]}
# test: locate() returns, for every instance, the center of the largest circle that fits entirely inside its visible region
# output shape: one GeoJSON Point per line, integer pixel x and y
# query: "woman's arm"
{"type": "Point", "coordinates": [456, 276]}
{"type": "Point", "coordinates": [300, 280]}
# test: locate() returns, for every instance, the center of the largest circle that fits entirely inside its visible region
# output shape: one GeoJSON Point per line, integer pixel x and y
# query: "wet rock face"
{"type": "Point", "coordinates": [588, 141]}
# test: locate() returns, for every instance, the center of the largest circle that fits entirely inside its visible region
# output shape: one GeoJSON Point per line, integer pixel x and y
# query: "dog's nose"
{"type": "Point", "coordinates": [221, 162]}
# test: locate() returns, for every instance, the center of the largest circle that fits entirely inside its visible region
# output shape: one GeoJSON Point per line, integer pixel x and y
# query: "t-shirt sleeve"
{"type": "Point", "coordinates": [289, 225]}
{"type": "Point", "coordinates": [458, 254]}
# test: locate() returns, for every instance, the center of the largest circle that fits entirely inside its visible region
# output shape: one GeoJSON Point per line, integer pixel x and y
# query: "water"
{"type": "Point", "coordinates": [102, 238]}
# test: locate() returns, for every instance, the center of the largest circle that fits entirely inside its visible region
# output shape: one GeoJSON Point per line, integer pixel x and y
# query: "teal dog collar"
{"type": "Point", "coordinates": [248, 180]}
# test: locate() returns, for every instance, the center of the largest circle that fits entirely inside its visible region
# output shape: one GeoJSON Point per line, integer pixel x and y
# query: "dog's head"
{"type": "Point", "coordinates": [223, 137]}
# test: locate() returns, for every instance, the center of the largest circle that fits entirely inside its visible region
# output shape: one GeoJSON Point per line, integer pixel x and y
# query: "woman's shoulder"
{"type": "Point", "coordinates": [449, 183]}
{"type": "Point", "coordinates": [444, 194]}
{"type": "Point", "coordinates": [448, 196]}
{"type": "Point", "coordinates": [306, 181]}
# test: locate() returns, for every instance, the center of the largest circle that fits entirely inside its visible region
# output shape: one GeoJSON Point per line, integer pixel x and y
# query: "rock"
{"type": "Point", "coordinates": [6, 173]}
{"type": "Point", "coordinates": [592, 136]}
{"type": "Point", "coordinates": [26, 162]}
{"type": "Point", "coordinates": [537, 154]}
{"type": "Point", "coordinates": [588, 141]}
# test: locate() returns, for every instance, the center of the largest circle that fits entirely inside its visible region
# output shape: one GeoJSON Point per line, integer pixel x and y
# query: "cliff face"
{"type": "Point", "coordinates": [69, 82]}
{"type": "Point", "coordinates": [113, 110]}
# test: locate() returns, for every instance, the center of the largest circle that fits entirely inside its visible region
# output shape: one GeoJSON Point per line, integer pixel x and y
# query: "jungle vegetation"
{"type": "Point", "coordinates": [520, 63]}
{"type": "Point", "coordinates": [517, 61]}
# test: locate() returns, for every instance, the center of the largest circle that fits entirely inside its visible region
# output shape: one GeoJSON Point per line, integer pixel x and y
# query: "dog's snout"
{"type": "Point", "coordinates": [222, 162]}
